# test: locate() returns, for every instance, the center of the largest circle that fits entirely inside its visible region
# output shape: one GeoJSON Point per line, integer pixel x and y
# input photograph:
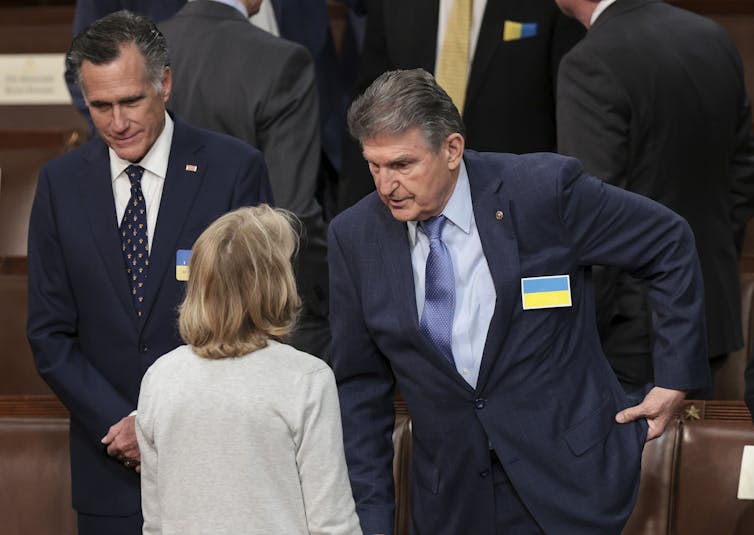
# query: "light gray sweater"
{"type": "Point", "coordinates": [246, 445]}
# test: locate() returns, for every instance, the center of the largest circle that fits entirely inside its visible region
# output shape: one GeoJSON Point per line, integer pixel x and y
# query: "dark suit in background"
{"type": "Point", "coordinates": [232, 77]}
{"type": "Point", "coordinates": [307, 22]}
{"type": "Point", "coordinates": [653, 100]}
{"type": "Point", "coordinates": [510, 99]}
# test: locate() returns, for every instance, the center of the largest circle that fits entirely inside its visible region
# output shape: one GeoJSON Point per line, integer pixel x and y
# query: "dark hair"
{"type": "Point", "coordinates": [101, 41]}
{"type": "Point", "coordinates": [400, 100]}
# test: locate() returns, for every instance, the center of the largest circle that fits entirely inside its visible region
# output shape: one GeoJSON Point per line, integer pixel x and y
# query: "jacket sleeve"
{"type": "Point", "coordinates": [610, 226]}
{"type": "Point", "coordinates": [150, 498]}
{"type": "Point", "coordinates": [52, 328]}
{"type": "Point", "coordinates": [365, 386]}
{"type": "Point", "coordinates": [319, 456]}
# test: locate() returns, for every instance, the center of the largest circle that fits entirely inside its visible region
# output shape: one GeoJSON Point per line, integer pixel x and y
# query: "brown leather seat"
{"type": "Point", "coordinates": [651, 514]}
{"type": "Point", "coordinates": [689, 478]}
{"type": "Point", "coordinates": [708, 470]}
{"type": "Point", "coordinates": [18, 376]}
{"type": "Point", "coordinates": [35, 476]}
{"type": "Point", "coordinates": [402, 468]}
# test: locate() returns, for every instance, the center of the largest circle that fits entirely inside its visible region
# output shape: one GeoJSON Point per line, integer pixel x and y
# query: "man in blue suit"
{"type": "Point", "coordinates": [487, 326]}
{"type": "Point", "coordinates": [111, 229]}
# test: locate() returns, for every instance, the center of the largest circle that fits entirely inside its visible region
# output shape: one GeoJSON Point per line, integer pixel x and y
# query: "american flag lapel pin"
{"type": "Point", "coordinates": [191, 167]}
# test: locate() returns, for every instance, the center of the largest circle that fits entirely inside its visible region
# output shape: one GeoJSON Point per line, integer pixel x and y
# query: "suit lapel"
{"type": "Point", "coordinates": [96, 188]}
{"type": "Point", "coordinates": [500, 246]}
{"type": "Point", "coordinates": [178, 195]}
{"type": "Point", "coordinates": [395, 256]}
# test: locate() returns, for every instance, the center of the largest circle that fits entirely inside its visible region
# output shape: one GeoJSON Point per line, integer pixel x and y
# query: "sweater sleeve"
{"type": "Point", "coordinates": [150, 500]}
{"type": "Point", "coordinates": [320, 458]}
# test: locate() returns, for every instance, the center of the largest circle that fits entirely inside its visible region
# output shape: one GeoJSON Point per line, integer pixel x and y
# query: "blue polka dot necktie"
{"type": "Point", "coordinates": [133, 236]}
{"type": "Point", "coordinates": [439, 289]}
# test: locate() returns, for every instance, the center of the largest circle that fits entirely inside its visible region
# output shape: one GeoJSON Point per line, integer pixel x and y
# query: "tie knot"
{"type": "Point", "coordinates": [134, 173]}
{"type": "Point", "coordinates": [433, 226]}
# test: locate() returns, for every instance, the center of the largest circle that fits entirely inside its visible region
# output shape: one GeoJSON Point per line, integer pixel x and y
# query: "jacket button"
{"type": "Point", "coordinates": [479, 403]}
{"type": "Point", "coordinates": [484, 473]}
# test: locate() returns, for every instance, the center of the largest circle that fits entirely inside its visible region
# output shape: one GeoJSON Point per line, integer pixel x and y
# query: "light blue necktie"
{"type": "Point", "coordinates": [133, 235]}
{"type": "Point", "coordinates": [439, 289]}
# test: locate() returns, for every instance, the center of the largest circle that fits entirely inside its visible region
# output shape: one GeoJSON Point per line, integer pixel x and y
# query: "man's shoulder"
{"type": "Point", "coordinates": [89, 152]}
{"type": "Point", "coordinates": [486, 166]}
{"type": "Point", "coordinates": [227, 33]}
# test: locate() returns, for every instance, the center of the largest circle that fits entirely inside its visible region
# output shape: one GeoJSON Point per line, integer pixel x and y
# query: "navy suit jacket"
{"type": "Point", "coordinates": [546, 397]}
{"type": "Point", "coordinates": [87, 341]}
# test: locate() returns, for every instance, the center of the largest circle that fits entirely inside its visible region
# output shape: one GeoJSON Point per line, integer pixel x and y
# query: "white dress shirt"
{"type": "Point", "coordinates": [601, 6]}
{"type": "Point", "coordinates": [265, 18]}
{"type": "Point", "coordinates": [155, 164]}
{"type": "Point", "coordinates": [477, 14]}
{"type": "Point", "coordinates": [475, 292]}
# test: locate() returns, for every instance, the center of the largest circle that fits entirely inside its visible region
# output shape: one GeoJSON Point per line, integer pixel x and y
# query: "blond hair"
{"type": "Point", "coordinates": [241, 289]}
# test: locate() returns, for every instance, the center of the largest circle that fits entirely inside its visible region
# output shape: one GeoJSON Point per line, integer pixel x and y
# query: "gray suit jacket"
{"type": "Point", "coordinates": [232, 77]}
{"type": "Point", "coordinates": [653, 100]}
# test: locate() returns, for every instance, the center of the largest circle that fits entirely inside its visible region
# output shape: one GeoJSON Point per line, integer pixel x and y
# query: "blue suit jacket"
{"type": "Point", "coordinates": [87, 341]}
{"type": "Point", "coordinates": [546, 397]}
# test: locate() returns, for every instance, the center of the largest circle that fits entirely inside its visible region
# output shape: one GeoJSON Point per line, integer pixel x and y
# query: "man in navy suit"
{"type": "Point", "coordinates": [488, 328]}
{"type": "Point", "coordinates": [100, 314]}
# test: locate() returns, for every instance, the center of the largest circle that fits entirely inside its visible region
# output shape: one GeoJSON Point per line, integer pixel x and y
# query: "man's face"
{"type": "Point", "coordinates": [127, 111]}
{"type": "Point", "coordinates": [411, 179]}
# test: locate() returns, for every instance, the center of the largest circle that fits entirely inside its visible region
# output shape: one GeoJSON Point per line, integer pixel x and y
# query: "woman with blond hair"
{"type": "Point", "coordinates": [238, 432]}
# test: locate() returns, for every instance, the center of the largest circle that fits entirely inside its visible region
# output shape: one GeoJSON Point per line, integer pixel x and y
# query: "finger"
{"type": "Point", "coordinates": [628, 415]}
{"type": "Point", "coordinates": [110, 436]}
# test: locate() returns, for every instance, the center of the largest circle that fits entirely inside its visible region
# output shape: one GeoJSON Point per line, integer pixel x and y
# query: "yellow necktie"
{"type": "Point", "coordinates": [453, 64]}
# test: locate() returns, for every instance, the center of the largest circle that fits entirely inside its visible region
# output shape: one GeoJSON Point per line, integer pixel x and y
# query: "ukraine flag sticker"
{"type": "Point", "coordinates": [513, 31]}
{"type": "Point", "coordinates": [546, 292]}
{"type": "Point", "coordinates": [182, 258]}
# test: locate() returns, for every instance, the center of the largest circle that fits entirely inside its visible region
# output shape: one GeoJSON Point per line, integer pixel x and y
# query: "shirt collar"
{"type": "Point", "coordinates": [235, 4]}
{"type": "Point", "coordinates": [601, 6]}
{"type": "Point", "coordinates": [458, 209]}
{"type": "Point", "coordinates": [155, 160]}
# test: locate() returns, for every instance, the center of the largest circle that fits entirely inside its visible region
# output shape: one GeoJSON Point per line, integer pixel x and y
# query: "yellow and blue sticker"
{"type": "Point", "coordinates": [182, 257]}
{"type": "Point", "coordinates": [513, 31]}
{"type": "Point", "coordinates": [546, 292]}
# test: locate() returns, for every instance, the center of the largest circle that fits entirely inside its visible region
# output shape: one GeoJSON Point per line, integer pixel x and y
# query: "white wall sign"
{"type": "Point", "coordinates": [33, 79]}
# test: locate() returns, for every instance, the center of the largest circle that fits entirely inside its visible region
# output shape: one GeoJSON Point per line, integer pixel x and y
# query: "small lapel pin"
{"type": "Point", "coordinates": [191, 167]}
{"type": "Point", "coordinates": [499, 215]}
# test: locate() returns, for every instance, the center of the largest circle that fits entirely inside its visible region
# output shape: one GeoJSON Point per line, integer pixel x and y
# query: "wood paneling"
{"type": "Point", "coordinates": [38, 30]}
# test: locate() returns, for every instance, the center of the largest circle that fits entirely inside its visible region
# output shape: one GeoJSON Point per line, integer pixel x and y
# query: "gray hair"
{"type": "Point", "coordinates": [101, 41]}
{"type": "Point", "coordinates": [400, 100]}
